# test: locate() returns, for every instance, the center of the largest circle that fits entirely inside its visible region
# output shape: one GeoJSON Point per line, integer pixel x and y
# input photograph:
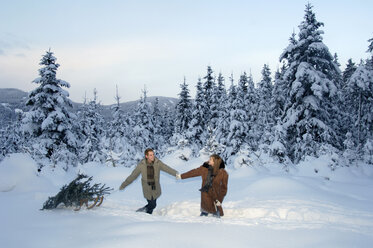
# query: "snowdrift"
{"type": "Point", "coordinates": [265, 207]}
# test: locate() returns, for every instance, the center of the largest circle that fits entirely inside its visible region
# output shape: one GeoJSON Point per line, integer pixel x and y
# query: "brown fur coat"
{"type": "Point", "coordinates": [216, 192]}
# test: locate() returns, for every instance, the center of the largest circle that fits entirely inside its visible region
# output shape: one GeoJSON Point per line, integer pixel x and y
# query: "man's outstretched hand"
{"type": "Point", "coordinates": [121, 187]}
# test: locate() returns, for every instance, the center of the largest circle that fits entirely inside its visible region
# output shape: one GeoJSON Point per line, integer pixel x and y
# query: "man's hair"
{"type": "Point", "coordinates": [148, 150]}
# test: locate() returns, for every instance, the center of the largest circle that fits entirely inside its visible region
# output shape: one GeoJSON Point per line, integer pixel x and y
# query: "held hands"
{"type": "Point", "coordinates": [178, 176]}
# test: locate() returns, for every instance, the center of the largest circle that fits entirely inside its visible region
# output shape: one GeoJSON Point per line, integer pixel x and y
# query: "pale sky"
{"type": "Point", "coordinates": [101, 44]}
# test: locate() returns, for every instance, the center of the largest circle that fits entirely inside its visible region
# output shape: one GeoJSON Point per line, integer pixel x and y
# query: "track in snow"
{"type": "Point", "coordinates": [274, 214]}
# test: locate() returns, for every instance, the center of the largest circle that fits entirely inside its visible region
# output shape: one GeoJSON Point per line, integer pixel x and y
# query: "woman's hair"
{"type": "Point", "coordinates": [217, 162]}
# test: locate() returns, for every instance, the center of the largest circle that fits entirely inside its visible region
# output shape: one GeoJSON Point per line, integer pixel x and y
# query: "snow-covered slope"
{"type": "Point", "coordinates": [265, 207]}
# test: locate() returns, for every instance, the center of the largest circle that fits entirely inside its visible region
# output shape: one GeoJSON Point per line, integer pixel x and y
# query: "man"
{"type": "Point", "coordinates": [149, 168]}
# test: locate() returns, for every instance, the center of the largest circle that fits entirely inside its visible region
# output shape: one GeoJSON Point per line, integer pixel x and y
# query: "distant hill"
{"type": "Point", "coordinates": [11, 99]}
{"type": "Point", "coordinates": [165, 103]}
{"type": "Point", "coordinates": [12, 96]}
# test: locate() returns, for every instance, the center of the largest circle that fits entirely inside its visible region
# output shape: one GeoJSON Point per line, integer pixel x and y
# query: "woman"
{"type": "Point", "coordinates": [214, 185]}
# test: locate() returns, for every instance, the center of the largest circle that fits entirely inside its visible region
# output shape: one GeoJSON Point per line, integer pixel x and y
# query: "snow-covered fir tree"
{"type": "Point", "coordinates": [311, 87]}
{"type": "Point", "coordinates": [222, 129]}
{"type": "Point", "coordinates": [347, 73]}
{"type": "Point", "coordinates": [368, 147]}
{"type": "Point", "coordinates": [160, 138]}
{"type": "Point", "coordinates": [221, 93]}
{"type": "Point", "coordinates": [207, 103]}
{"type": "Point", "coordinates": [278, 95]}
{"type": "Point", "coordinates": [115, 142]}
{"type": "Point", "coordinates": [265, 119]}
{"type": "Point", "coordinates": [360, 104]}
{"type": "Point", "coordinates": [117, 126]}
{"type": "Point", "coordinates": [183, 109]}
{"type": "Point", "coordinates": [129, 153]}
{"type": "Point", "coordinates": [218, 108]}
{"type": "Point", "coordinates": [49, 122]}
{"type": "Point", "coordinates": [183, 113]}
{"type": "Point", "coordinates": [251, 108]}
{"type": "Point", "coordinates": [215, 109]}
{"type": "Point", "coordinates": [219, 99]}
{"type": "Point", "coordinates": [238, 121]}
{"type": "Point", "coordinates": [196, 132]}
{"type": "Point", "coordinates": [142, 135]}
{"type": "Point", "coordinates": [212, 145]}
{"type": "Point", "coordinates": [347, 98]}
{"type": "Point", "coordinates": [168, 124]}
{"type": "Point", "coordinates": [3, 147]}
{"type": "Point", "coordinates": [277, 148]}
{"type": "Point", "coordinates": [242, 89]}
{"type": "Point", "coordinates": [12, 140]}
{"type": "Point", "coordinates": [349, 152]}
{"type": "Point", "coordinates": [370, 48]}
{"type": "Point", "coordinates": [93, 130]}
{"type": "Point", "coordinates": [336, 59]}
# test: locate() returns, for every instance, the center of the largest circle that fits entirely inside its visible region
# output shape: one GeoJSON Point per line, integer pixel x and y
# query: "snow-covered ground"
{"type": "Point", "coordinates": [265, 207]}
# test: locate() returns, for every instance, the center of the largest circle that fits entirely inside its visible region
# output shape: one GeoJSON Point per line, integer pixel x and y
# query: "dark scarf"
{"type": "Point", "coordinates": [210, 177]}
{"type": "Point", "coordinates": [150, 176]}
